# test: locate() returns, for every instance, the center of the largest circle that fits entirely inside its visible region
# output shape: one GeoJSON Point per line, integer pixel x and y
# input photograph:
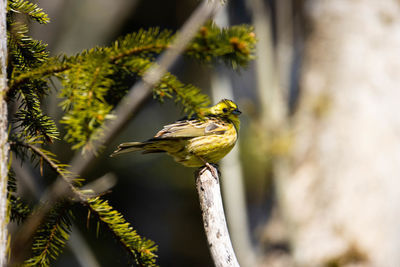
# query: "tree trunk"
{"type": "Point", "coordinates": [339, 189]}
{"type": "Point", "coordinates": [3, 135]}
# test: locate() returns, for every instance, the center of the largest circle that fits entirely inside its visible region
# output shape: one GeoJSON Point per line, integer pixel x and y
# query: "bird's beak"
{"type": "Point", "coordinates": [236, 112]}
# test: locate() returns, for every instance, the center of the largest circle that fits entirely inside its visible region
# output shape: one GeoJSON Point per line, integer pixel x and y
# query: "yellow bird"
{"type": "Point", "coordinates": [194, 142]}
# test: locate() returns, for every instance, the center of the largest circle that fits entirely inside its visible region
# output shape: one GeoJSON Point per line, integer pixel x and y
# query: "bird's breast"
{"type": "Point", "coordinates": [213, 147]}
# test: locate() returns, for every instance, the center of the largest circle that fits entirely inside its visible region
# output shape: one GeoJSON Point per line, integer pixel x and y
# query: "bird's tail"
{"type": "Point", "coordinates": [150, 146]}
{"type": "Point", "coordinates": [128, 147]}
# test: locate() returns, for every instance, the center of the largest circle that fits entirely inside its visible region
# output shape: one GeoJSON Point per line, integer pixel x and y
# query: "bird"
{"type": "Point", "coordinates": [199, 141]}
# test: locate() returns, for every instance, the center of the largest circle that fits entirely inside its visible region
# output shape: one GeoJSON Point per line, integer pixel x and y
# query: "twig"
{"type": "Point", "coordinates": [65, 175]}
{"type": "Point", "coordinates": [128, 107]}
{"type": "Point", "coordinates": [214, 221]}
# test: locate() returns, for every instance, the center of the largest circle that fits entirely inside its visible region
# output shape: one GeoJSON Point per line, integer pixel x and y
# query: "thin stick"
{"type": "Point", "coordinates": [214, 221]}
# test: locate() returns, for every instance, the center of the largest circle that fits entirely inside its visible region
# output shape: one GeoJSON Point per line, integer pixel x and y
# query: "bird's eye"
{"type": "Point", "coordinates": [225, 110]}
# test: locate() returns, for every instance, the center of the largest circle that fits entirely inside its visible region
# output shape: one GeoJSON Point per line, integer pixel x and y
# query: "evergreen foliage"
{"type": "Point", "coordinates": [28, 8]}
{"type": "Point", "coordinates": [51, 237]}
{"type": "Point", "coordinates": [26, 54]}
{"type": "Point", "coordinates": [93, 83]}
{"type": "Point", "coordinates": [141, 249]}
{"type": "Point", "coordinates": [234, 45]}
{"type": "Point", "coordinates": [18, 209]}
{"type": "Point", "coordinates": [38, 155]}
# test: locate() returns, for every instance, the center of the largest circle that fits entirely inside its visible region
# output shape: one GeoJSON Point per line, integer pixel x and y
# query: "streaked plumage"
{"type": "Point", "coordinates": [194, 142]}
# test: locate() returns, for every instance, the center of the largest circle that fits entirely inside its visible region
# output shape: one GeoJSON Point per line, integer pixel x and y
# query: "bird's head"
{"type": "Point", "coordinates": [226, 109]}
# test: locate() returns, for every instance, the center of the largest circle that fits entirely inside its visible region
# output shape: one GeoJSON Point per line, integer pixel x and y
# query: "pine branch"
{"type": "Point", "coordinates": [85, 104]}
{"type": "Point", "coordinates": [143, 43]}
{"type": "Point", "coordinates": [35, 123]}
{"type": "Point", "coordinates": [24, 52]}
{"type": "Point", "coordinates": [50, 68]}
{"type": "Point", "coordinates": [30, 9]}
{"type": "Point", "coordinates": [188, 95]}
{"type": "Point", "coordinates": [88, 103]}
{"type": "Point", "coordinates": [141, 250]}
{"type": "Point", "coordinates": [96, 80]}
{"type": "Point", "coordinates": [235, 46]}
{"type": "Point", "coordinates": [51, 238]}
{"type": "Point", "coordinates": [27, 54]}
{"type": "Point", "coordinates": [50, 159]}
{"type": "Point", "coordinates": [211, 43]}
{"type": "Point", "coordinates": [18, 209]}
{"type": "Point", "coordinates": [11, 182]}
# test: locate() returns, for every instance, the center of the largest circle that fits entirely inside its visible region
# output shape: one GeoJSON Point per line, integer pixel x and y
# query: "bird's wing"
{"type": "Point", "coordinates": [192, 128]}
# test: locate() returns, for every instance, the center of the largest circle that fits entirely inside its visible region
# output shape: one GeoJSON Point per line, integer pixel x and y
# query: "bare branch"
{"type": "Point", "coordinates": [214, 221]}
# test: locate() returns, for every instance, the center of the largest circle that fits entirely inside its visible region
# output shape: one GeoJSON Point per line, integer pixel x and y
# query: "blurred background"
{"type": "Point", "coordinates": [313, 176]}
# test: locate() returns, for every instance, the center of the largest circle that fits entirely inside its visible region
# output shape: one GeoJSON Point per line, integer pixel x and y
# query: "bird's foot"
{"type": "Point", "coordinates": [213, 168]}
{"type": "Point", "coordinates": [210, 166]}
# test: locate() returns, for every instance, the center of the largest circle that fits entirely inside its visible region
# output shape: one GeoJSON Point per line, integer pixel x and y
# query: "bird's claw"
{"type": "Point", "coordinates": [213, 169]}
